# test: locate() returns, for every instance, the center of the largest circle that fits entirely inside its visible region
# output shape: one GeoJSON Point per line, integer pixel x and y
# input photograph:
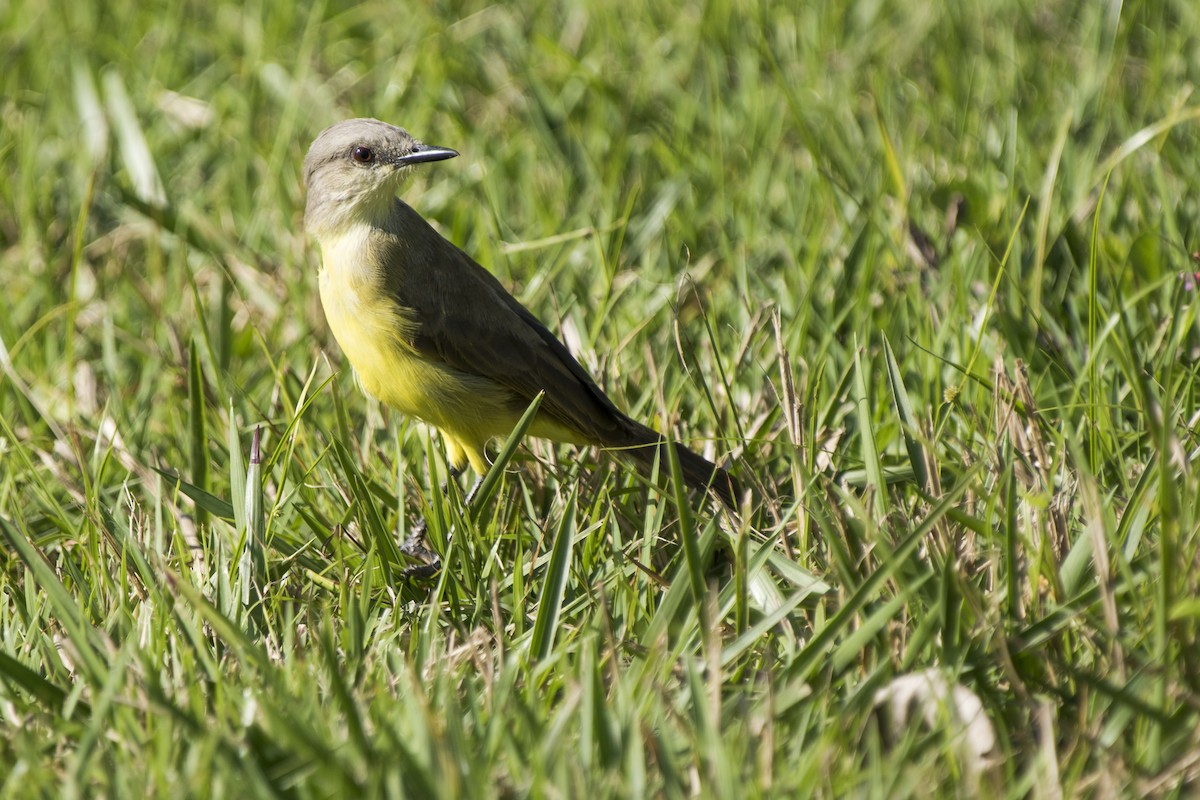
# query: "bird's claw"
{"type": "Point", "coordinates": [414, 547]}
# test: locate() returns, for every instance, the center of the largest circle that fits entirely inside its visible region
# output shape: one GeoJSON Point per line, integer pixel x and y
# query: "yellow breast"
{"type": "Point", "coordinates": [371, 329]}
{"type": "Point", "coordinates": [374, 332]}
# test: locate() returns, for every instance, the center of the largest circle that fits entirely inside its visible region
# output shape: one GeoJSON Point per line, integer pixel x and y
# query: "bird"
{"type": "Point", "coordinates": [434, 335]}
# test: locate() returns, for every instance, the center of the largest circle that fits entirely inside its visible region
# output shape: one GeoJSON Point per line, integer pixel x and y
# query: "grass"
{"type": "Point", "coordinates": [916, 268]}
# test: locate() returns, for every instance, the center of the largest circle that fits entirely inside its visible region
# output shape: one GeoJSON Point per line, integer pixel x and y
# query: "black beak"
{"type": "Point", "coordinates": [425, 152]}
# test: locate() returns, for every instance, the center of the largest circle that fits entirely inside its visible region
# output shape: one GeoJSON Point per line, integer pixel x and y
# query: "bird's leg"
{"type": "Point", "coordinates": [414, 545]}
{"type": "Point", "coordinates": [474, 490]}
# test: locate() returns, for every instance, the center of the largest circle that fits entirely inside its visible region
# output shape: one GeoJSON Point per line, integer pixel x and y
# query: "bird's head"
{"type": "Point", "coordinates": [354, 168]}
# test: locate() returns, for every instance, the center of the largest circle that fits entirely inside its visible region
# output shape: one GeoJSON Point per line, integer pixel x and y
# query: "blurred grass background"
{"type": "Point", "coordinates": [916, 269]}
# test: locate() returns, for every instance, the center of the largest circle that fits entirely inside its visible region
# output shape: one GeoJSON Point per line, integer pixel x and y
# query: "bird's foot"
{"type": "Point", "coordinates": [414, 546]}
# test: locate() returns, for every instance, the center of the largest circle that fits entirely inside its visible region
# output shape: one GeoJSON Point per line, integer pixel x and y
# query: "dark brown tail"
{"type": "Point", "coordinates": [698, 471]}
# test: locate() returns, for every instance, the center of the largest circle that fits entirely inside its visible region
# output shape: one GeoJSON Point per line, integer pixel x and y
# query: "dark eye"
{"type": "Point", "coordinates": [363, 155]}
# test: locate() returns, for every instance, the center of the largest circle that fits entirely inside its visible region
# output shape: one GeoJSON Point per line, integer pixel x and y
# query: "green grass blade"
{"type": "Point", "coordinates": [876, 483]}
{"type": "Point", "coordinates": [554, 586]}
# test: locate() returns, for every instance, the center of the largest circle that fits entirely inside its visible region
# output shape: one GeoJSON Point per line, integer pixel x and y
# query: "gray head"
{"type": "Point", "coordinates": [354, 169]}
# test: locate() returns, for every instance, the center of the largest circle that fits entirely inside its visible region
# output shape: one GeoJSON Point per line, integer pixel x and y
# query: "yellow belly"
{"type": "Point", "coordinates": [375, 333]}
{"type": "Point", "coordinates": [371, 330]}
